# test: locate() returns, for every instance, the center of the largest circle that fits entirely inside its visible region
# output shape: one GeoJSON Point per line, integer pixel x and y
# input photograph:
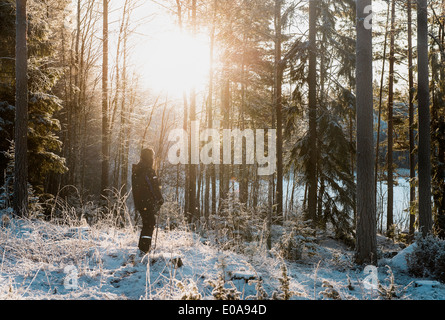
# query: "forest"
{"type": "Point", "coordinates": [299, 144]}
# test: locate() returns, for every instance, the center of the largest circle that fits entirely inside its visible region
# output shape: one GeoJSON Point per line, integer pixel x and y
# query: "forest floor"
{"type": "Point", "coordinates": [42, 260]}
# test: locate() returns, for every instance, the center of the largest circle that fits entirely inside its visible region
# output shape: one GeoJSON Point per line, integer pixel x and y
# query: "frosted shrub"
{"type": "Point", "coordinates": [390, 291]}
{"type": "Point", "coordinates": [171, 215]}
{"type": "Point", "coordinates": [7, 189]}
{"type": "Point", "coordinates": [428, 258]}
{"type": "Point", "coordinates": [116, 211]}
{"type": "Point", "coordinates": [296, 239]}
{"type": "Point", "coordinates": [261, 294]}
{"type": "Point", "coordinates": [189, 290]}
{"type": "Point", "coordinates": [221, 291]}
{"type": "Point", "coordinates": [329, 292]}
{"type": "Point", "coordinates": [235, 225]}
{"type": "Point", "coordinates": [285, 292]}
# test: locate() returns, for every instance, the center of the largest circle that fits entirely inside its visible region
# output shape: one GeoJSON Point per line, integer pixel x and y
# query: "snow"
{"type": "Point", "coordinates": [42, 260]}
{"type": "Point", "coordinates": [399, 261]}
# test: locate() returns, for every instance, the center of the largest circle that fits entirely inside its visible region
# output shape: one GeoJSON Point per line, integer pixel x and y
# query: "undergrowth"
{"type": "Point", "coordinates": [100, 240]}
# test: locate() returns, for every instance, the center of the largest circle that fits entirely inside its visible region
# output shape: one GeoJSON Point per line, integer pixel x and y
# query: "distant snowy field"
{"type": "Point", "coordinates": [39, 260]}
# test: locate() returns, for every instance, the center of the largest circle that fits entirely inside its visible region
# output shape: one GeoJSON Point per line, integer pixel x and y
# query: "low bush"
{"type": "Point", "coordinates": [428, 258]}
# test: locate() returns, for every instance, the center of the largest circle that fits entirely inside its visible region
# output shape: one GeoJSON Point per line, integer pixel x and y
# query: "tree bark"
{"type": "Point", "coordinates": [312, 82]}
{"type": "Point", "coordinates": [193, 167]}
{"type": "Point", "coordinates": [412, 172]}
{"type": "Point", "coordinates": [424, 164]}
{"type": "Point", "coordinates": [366, 228]}
{"type": "Point", "coordinates": [377, 145]}
{"type": "Point", "coordinates": [278, 107]}
{"type": "Point", "coordinates": [390, 172]}
{"type": "Point", "coordinates": [20, 202]}
{"type": "Point", "coordinates": [105, 132]}
{"type": "Point", "coordinates": [210, 169]}
{"type": "Point", "coordinates": [225, 110]}
{"type": "Point", "coordinates": [185, 127]}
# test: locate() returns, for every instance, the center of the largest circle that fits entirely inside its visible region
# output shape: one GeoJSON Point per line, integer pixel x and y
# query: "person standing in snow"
{"type": "Point", "coordinates": [147, 196]}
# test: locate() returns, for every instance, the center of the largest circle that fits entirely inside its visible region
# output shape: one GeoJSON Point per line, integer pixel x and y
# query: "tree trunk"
{"type": "Point", "coordinates": [377, 145]}
{"type": "Point", "coordinates": [186, 166]}
{"type": "Point", "coordinates": [20, 202]}
{"type": "Point", "coordinates": [125, 104]}
{"type": "Point", "coordinates": [105, 132]}
{"type": "Point", "coordinates": [224, 168]}
{"type": "Point", "coordinates": [243, 168]}
{"type": "Point", "coordinates": [185, 127]}
{"type": "Point", "coordinates": [412, 172]}
{"type": "Point", "coordinates": [366, 233]}
{"type": "Point", "coordinates": [312, 81]}
{"type": "Point", "coordinates": [210, 198]}
{"type": "Point", "coordinates": [424, 164]}
{"type": "Point", "coordinates": [278, 107]}
{"type": "Point", "coordinates": [441, 129]}
{"type": "Point", "coordinates": [390, 173]}
{"type": "Point", "coordinates": [193, 167]}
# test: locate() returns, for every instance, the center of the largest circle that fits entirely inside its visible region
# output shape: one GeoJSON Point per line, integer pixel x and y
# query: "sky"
{"type": "Point", "coordinates": [166, 61]}
{"type": "Point", "coordinates": [163, 57]}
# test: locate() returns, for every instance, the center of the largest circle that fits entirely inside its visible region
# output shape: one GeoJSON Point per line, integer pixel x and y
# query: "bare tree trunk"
{"type": "Point", "coordinates": [366, 233]}
{"type": "Point", "coordinates": [243, 168]}
{"type": "Point", "coordinates": [193, 167]}
{"type": "Point", "coordinates": [124, 109]}
{"type": "Point", "coordinates": [210, 169]}
{"type": "Point", "coordinates": [412, 170]}
{"type": "Point", "coordinates": [278, 106]}
{"type": "Point", "coordinates": [424, 164]}
{"type": "Point", "coordinates": [440, 180]}
{"type": "Point", "coordinates": [185, 127]}
{"type": "Point", "coordinates": [256, 186]}
{"type": "Point", "coordinates": [75, 126]}
{"type": "Point", "coordinates": [115, 103]}
{"type": "Point", "coordinates": [377, 145]}
{"type": "Point", "coordinates": [312, 79]}
{"type": "Point", "coordinates": [390, 164]}
{"type": "Point", "coordinates": [186, 166]}
{"type": "Point", "coordinates": [270, 211]}
{"type": "Point", "coordinates": [105, 126]}
{"type": "Point", "coordinates": [20, 202]}
{"type": "Point", "coordinates": [124, 114]}
{"type": "Point", "coordinates": [224, 168]}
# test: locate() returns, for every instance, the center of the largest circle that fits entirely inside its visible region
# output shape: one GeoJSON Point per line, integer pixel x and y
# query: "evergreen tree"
{"type": "Point", "coordinates": [437, 61]}
{"type": "Point", "coordinates": [44, 145]}
{"type": "Point", "coordinates": [335, 103]}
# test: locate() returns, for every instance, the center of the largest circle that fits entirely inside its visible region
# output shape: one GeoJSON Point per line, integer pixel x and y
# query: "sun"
{"type": "Point", "coordinates": [175, 62]}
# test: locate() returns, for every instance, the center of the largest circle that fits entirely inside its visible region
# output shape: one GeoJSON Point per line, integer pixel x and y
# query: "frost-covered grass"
{"type": "Point", "coordinates": [36, 258]}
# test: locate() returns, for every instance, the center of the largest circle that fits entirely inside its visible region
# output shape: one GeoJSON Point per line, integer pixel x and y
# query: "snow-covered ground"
{"type": "Point", "coordinates": [40, 260]}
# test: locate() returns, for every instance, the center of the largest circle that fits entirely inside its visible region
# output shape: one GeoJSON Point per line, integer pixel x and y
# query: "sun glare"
{"type": "Point", "coordinates": [176, 62]}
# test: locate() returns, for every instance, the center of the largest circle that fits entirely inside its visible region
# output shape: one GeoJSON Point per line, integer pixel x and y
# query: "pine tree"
{"type": "Point", "coordinates": [43, 72]}
{"type": "Point", "coordinates": [335, 201]}
{"type": "Point", "coordinates": [437, 58]}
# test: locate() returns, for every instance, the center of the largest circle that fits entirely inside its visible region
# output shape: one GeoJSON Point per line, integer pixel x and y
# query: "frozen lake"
{"type": "Point", "coordinates": [401, 197]}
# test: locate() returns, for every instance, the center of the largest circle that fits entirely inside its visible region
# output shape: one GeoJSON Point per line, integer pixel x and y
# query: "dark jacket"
{"type": "Point", "coordinates": [146, 188]}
